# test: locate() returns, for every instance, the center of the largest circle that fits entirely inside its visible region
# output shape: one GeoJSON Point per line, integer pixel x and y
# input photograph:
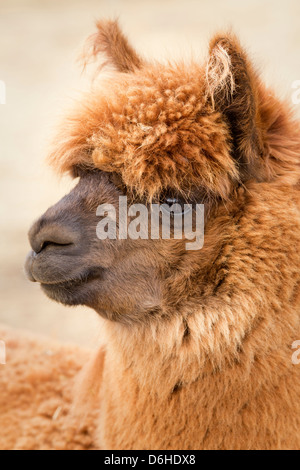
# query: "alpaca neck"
{"type": "Point", "coordinates": [173, 388]}
{"type": "Point", "coordinates": [166, 355]}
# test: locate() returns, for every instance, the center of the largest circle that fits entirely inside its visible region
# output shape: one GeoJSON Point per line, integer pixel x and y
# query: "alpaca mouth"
{"type": "Point", "coordinates": [87, 276]}
{"type": "Point", "coordinates": [50, 273]}
{"type": "Point", "coordinates": [72, 291]}
{"type": "Point", "coordinates": [61, 277]}
{"type": "Point", "coordinates": [65, 284]}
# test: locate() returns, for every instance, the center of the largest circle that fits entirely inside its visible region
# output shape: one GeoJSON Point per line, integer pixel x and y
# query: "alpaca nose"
{"type": "Point", "coordinates": [44, 233]}
{"type": "Point", "coordinates": [55, 241]}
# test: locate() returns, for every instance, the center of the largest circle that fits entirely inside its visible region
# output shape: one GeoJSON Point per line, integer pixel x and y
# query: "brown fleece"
{"type": "Point", "coordinates": [37, 393]}
{"type": "Point", "coordinates": [213, 368]}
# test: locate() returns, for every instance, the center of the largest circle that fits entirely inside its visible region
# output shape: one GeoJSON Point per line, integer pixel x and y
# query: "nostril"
{"type": "Point", "coordinates": [46, 235]}
{"type": "Point", "coordinates": [47, 243]}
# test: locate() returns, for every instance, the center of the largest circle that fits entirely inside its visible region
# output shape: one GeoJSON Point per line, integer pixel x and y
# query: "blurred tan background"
{"type": "Point", "coordinates": [39, 42]}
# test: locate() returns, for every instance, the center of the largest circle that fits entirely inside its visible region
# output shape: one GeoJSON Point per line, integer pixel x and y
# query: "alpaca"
{"type": "Point", "coordinates": [198, 352]}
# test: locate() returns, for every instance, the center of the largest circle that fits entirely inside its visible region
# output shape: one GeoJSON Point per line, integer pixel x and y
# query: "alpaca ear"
{"type": "Point", "coordinates": [111, 42]}
{"type": "Point", "coordinates": [233, 90]}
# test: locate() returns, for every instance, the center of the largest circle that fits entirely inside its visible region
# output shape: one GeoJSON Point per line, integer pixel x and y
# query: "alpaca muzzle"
{"type": "Point", "coordinates": [53, 245]}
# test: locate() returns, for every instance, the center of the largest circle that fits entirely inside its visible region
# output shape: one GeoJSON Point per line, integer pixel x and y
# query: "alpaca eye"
{"type": "Point", "coordinates": [174, 205]}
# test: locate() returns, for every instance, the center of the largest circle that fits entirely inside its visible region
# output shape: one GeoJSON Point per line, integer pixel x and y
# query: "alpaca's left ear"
{"type": "Point", "coordinates": [111, 42]}
{"type": "Point", "coordinates": [232, 87]}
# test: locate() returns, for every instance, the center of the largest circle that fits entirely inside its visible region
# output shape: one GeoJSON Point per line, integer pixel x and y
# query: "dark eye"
{"type": "Point", "coordinates": [174, 205]}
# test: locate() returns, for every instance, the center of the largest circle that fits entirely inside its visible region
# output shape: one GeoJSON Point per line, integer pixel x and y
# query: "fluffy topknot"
{"type": "Point", "coordinates": [178, 127]}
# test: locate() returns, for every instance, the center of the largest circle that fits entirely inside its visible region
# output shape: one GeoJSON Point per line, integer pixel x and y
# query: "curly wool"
{"type": "Point", "coordinates": [155, 129]}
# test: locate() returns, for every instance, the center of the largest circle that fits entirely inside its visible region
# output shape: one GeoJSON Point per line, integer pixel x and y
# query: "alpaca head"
{"type": "Point", "coordinates": [190, 133]}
